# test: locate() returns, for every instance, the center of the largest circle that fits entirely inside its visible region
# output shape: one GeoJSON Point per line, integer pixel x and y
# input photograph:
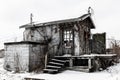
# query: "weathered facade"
{"type": "Point", "coordinates": [55, 45]}
{"type": "Point", "coordinates": [76, 31]}
{"type": "Point", "coordinates": [24, 56]}
{"type": "Point", "coordinates": [98, 43]}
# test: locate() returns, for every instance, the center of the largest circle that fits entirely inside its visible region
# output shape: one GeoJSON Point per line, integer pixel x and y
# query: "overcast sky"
{"type": "Point", "coordinates": [14, 13]}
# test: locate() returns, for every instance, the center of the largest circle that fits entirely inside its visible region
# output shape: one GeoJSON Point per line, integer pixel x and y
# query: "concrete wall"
{"type": "Point", "coordinates": [16, 57]}
{"type": "Point", "coordinates": [24, 56]}
{"type": "Point", "coordinates": [36, 56]}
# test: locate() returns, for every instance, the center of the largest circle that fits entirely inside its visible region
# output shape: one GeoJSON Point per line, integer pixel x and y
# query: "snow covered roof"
{"type": "Point", "coordinates": [83, 17]}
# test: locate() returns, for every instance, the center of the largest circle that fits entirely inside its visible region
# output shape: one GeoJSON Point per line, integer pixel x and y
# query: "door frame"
{"type": "Point", "coordinates": [63, 40]}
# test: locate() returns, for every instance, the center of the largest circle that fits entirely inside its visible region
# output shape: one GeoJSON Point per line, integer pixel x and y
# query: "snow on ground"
{"type": "Point", "coordinates": [112, 73]}
{"type": "Point", "coordinates": [6, 75]}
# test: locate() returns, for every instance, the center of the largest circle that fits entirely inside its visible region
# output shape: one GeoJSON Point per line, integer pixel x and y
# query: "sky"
{"type": "Point", "coordinates": [14, 13]}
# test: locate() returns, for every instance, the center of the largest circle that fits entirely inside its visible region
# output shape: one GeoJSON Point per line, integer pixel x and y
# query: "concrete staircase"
{"type": "Point", "coordinates": [55, 66]}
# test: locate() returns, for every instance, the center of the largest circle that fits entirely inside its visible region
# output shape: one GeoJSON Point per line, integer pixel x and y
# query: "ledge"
{"type": "Point", "coordinates": [24, 42]}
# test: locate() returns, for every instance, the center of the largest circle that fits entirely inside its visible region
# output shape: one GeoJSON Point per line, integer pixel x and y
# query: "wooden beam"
{"type": "Point", "coordinates": [89, 63]}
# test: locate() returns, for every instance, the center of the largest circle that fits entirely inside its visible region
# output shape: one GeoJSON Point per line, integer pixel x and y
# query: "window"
{"type": "Point", "coordinates": [68, 36]}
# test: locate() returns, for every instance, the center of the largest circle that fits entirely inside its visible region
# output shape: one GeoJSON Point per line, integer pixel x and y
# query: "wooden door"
{"type": "Point", "coordinates": [68, 42]}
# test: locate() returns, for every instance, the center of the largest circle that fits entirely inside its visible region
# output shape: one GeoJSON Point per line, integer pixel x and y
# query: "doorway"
{"type": "Point", "coordinates": [68, 42]}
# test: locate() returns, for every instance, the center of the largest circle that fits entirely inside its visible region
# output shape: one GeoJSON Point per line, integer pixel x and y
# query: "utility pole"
{"type": "Point", "coordinates": [31, 18]}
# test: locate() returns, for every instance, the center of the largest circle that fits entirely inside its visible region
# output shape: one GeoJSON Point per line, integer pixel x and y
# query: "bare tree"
{"type": "Point", "coordinates": [115, 48]}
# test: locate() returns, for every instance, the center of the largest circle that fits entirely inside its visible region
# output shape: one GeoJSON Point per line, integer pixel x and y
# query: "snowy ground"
{"type": "Point", "coordinates": [112, 73]}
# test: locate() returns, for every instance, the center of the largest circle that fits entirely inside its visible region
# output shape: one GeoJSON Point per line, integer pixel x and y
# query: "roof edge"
{"type": "Point", "coordinates": [83, 17]}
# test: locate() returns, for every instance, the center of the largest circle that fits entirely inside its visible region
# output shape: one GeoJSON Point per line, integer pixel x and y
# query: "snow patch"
{"type": "Point", "coordinates": [112, 73]}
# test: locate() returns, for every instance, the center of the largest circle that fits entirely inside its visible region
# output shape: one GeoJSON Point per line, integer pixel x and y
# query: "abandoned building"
{"type": "Point", "coordinates": [58, 45]}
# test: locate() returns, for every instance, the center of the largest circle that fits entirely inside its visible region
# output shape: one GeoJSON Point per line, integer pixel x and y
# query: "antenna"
{"type": "Point", "coordinates": [31, 18]}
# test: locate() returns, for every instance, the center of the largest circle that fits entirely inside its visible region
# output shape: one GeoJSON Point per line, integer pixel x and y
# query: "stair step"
{"type": "Point", "coordinates": [56, 63]}
{"type": "Point", "coordinates": [58, 60]}
{"type": "Point", "coordinates": [50, 70]}
{"type": "Point", "coordinates": [53, 66]}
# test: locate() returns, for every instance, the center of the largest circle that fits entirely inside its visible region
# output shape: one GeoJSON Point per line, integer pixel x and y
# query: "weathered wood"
{"type": "Point", "coordinates": [33, 79]}
{"type": "Point", "coordinates": [99, 43]}
{"type": "Point", "coordinates": [89, 63]}
{"type": "Point", "coordinates": [71, 62]}
{"type": "Point", "coordinates": [83, 17]}
{"type": "Point", "coordinates": [46, 60]}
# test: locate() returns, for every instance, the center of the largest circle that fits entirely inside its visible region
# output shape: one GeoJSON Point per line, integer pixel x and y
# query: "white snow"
{"type": "Point", "coordinates": [98, 55]}
{"type": "Point", "coordinates": [67, 55]}
{"type": "Point", "coordinates": [112, 73]}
